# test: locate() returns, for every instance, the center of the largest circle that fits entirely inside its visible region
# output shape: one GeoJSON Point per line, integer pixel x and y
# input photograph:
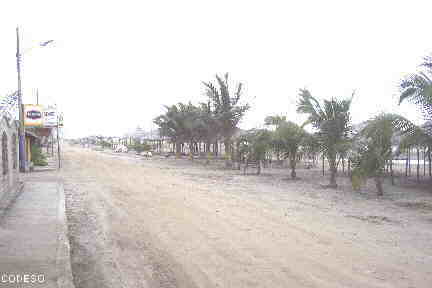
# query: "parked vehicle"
{"type": "Point", "coordinates": [121, 149]}
{"type": "Point", "coordinates": [147, 154]}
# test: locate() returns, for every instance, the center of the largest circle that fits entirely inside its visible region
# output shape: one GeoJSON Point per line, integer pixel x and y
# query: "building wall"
{"type": "Point", "coordinates": [9, 178]}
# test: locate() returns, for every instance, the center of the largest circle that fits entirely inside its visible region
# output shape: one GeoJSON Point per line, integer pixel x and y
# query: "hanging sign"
{"type": "Point", "coordinates": [49, 117]}
{"type": "Point", "coordinates": [33, 115]}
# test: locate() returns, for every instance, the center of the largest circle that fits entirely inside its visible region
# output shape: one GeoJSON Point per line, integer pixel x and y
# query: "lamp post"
{"type": "Point", "coordinates": [21, 132]}
{"type": "Point", "coordinates": [59, 124]}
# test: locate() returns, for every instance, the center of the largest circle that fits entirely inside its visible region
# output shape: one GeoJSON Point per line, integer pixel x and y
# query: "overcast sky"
{"type": "Point", "coordinates": [115, 63]}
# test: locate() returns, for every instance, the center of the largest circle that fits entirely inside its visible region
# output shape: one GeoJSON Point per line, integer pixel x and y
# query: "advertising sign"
{"type": "Point", "coordinates": [33, 115]}
{"type": "Point", "coordinates": [49, 117]}
{"type": "Point", "coordinates": [41, 116]}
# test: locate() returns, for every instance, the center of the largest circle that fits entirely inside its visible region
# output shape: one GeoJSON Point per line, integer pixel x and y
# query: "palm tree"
{"type": "Point", "coordinates": [277, 146]}
{"type": "Point", "coordinates": [170, 126]}
{"type": "Point", "coordinates": [292, 137]}
{"type": "Point", "coordinates": [179, 124]}
{"type": "Point", "coordinates": [274, 122]}
{"type": "Point", "coordinates": [417, 88]}
{"type": "Point", "coordinates": [373, 148]}
{"type": "Point", "coordinates": [191, 125]}
{"type": "Point", "coordinates": [420, 138]}
{"type": "Point", "coordinates": [255, 143]}
{"type": "Point", "coordinates": [311, 146]}
{"type": "Point", "coordinates": [209, 125]}
{"type": "Point", "coordinates": [227, 109]}
{"type": "Point", "coordinates": [332, 119]}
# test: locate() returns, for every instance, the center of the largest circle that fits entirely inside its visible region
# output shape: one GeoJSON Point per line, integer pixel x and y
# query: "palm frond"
{"type": "Point", "coordinates": [417, 88]}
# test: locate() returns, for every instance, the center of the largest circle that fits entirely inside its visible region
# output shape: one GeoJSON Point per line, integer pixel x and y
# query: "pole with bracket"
{"type": "Point", "coordinates": [58, 143]}
{"type": "Point", "coordinates": [21, 131]}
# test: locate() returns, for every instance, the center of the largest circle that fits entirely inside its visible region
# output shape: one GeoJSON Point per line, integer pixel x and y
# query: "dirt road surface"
{"type": "Point", "coordinates": [137, 222]}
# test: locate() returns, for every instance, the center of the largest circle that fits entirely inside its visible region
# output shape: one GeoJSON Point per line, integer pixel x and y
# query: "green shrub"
{"type": "Point", "coordinates": [38, 158]}
{"type": "Point", "coordinates": [105, 144]}
{"type": "Point", "coordinates": [358, 179]}
{"type": "Point", "coordinates": [138, 147]}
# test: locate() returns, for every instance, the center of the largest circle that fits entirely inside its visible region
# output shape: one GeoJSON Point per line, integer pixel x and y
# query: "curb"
{"type": "Point", "coordinates": [63, 261]}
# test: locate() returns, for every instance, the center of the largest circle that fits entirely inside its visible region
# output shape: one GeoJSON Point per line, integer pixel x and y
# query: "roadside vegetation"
{"type": "Point", "coordinates": [139, 147]}
{"type": "Point", "coordinates": [38, 157]}
{"type": "Point", "coordinates": [210, 130]}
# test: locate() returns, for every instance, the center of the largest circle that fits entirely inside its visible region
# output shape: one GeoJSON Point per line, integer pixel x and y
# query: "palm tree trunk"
{"type": "Point", "coordinates": [379, 185]}
{"type": "Point", "coordinates": [238, 156]}
{"type": "Point", "coordinates": [191, 150]}
{"type": "Point", "coordinates": [323, 172]}
{"type": "Point", "coordinates": [258, 167]}
{"type": "Point", "coordinates": [178, 147]}
{"type": "Point", "coordinates": [349, 167]}
{"type": "Point", "coordinates": [409, 161]}
{"type": "Point", "coordinates": [391, 171]}
{"type": "Point", "coordinates": [430, 163]}
{"type": "Point", "coordinates": [293, 166]}
{"type": "Point", "coordinates": [333, 171]}
{"type": "Point", "coordinates": [406, 166]}
{"type": "Point", "coordinates": [227, 144]}
{"type": "Point", "coordinates": [418, 164]}
{"type": "Point", "coordinates": [233, 156]}
{"type": "Point", "coordinates": [207, 151]}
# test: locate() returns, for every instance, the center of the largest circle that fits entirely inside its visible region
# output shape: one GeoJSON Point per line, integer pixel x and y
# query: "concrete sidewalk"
{"type": "Point", "coordinates": [34, 248]}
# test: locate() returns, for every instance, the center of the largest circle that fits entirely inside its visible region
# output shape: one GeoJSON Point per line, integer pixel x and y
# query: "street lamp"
{"type": "Point", "coordinates": [21, 132]}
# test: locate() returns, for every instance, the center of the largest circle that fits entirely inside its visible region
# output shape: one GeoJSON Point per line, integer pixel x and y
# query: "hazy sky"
{"type": "Point", "coordinates": [115, 63]}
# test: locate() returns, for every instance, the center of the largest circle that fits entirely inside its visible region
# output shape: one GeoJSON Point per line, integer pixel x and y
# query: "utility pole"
{"type": "Point", "coordinates": [37, 96]}
{"type": "Point", "coordinates": [58, 141]}
{"type": "Point", "coordinates": [58, 147]}
{"type": "Point", "coordinates": [21, 132]}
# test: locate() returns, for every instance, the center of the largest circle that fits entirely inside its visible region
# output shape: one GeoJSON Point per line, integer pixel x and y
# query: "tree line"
{"type": "Point", "coordinates": [208, 122]}
{"type": "Point", "coordinates": [368, 149]}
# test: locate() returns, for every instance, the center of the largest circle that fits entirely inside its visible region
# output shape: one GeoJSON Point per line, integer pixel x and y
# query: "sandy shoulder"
{"type": "Point", "coordinates": [214, 228]}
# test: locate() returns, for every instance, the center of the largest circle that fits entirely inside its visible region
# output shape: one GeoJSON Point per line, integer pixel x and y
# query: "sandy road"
{"type": "Point", "coordinates": [145, 223]}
